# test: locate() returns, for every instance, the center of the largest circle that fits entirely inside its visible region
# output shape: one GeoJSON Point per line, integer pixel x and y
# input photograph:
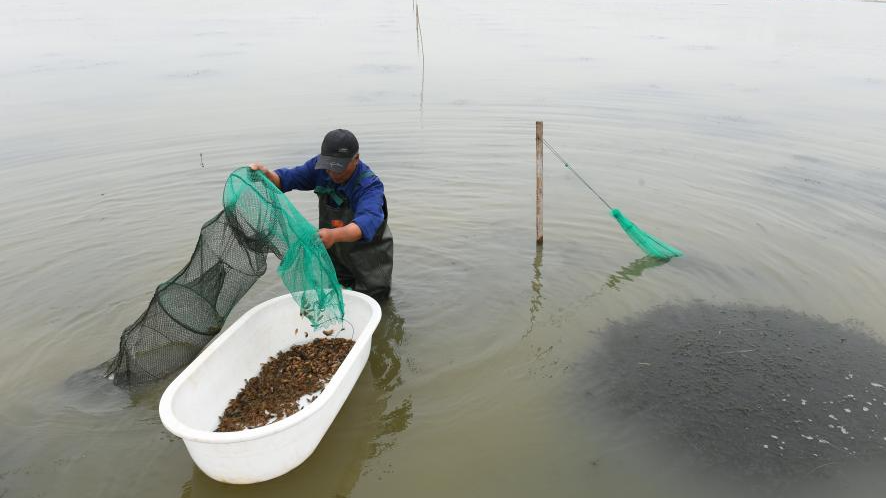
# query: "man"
{"type": "Point", "coordinates": [353, 212]}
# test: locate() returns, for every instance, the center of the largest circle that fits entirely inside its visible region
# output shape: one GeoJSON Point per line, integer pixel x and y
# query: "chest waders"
{"type": "Point", "coordinates": [364, 266]}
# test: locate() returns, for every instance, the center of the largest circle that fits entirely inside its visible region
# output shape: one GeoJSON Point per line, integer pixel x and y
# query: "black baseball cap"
{"type": "Point", "coordinates": [339, 147]}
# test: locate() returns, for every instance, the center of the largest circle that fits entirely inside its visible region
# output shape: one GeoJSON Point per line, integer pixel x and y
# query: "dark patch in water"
{"type": "Point", "coordinates": [761, 393]}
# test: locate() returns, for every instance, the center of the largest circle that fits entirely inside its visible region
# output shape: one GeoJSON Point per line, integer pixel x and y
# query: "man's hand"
{"type": "Point", "coordinates": [348, 233]}
{"type": "Point", "coordinates": [275, 179]}
{"type": "Point", "coordinates": [327, 236]}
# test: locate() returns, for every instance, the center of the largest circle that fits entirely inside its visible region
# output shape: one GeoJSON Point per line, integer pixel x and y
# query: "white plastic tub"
{"type": "Point", "coordinates": [191, 405]}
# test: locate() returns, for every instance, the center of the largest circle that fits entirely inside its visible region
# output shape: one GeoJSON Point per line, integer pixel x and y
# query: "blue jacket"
{"type": "Point", "coordinates": [365, 192]}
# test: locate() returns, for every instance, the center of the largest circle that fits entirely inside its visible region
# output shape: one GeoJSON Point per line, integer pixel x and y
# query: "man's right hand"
{"type": "Point", "coordinates": [275, 179]}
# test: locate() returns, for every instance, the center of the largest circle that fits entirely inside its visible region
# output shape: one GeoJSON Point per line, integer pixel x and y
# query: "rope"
{"type": "Point", "coordinates": [565, 163]}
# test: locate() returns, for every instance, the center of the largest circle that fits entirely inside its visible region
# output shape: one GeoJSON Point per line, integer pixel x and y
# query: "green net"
{"type": "Point", "coordinates": [650, 245]}
{"type": "Point", "coordinates": [189, 309]}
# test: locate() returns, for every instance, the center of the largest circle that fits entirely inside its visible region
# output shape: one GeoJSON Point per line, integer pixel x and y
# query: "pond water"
{"type": "Point", "coordinates": [747, 133]}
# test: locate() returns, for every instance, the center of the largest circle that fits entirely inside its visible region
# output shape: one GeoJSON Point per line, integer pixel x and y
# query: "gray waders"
{"type": "Point", "coordinates": [363, 266]}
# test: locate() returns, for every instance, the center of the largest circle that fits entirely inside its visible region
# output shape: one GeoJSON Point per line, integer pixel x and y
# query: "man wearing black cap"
{"type": "Point", "coordinates": [353, 212]}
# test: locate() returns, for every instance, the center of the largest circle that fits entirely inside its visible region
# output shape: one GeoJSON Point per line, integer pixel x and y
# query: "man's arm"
{"type": "Point", "coordinates": [369, 208]}
{"type": "Point", "coordinates": [368, 217]}
{"type": "Point", "coordinates": [286, 179]}
{"type": "Point", "coordinates": [274, 177]}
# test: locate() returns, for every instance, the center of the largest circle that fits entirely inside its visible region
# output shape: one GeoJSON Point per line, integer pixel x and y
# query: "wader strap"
{"type": "Point", "coordinates": [331, 192]}
{"type": "Point", "coordinates": [321, 190]}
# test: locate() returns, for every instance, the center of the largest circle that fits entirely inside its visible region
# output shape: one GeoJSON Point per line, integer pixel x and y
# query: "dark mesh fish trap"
{"type": "Point", "coordinates": [190, 308]}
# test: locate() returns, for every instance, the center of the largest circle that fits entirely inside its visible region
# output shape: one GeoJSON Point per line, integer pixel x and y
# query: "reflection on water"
{"type": "Point", "coordinates": [363, 429]}
{"type": "Point", "coordinates": [632, 271]}
{"type": "Point", "coordinates": [385, 365]}
{"type": "Point", "coordinates": [537, 302]}
{"type": "Point", "coordinates": [615, 281]}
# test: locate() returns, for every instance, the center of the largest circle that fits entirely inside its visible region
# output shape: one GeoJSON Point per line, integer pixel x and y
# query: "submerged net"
{"type": "Point", "coordinates": [231, 255]}
{"type": "Point", "coordinates": [651, 246]}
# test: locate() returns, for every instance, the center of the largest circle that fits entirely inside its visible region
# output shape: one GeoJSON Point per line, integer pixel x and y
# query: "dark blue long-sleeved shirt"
{"type": "Point", "coordinates": [365, 192]}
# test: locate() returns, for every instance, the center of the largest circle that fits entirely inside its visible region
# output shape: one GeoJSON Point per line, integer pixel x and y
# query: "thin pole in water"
{"type": "Point", "coordinates": [539, 180]}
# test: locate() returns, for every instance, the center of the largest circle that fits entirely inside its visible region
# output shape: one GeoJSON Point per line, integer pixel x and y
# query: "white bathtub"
{"type": "Point", "coordinates": [191, 405]}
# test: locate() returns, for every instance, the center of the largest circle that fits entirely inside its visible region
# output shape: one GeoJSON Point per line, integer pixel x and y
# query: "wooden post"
{"type": "Point", "coordinates": [539, 180]}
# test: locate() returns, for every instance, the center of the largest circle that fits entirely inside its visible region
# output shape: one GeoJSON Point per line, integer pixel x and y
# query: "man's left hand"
{"type": "Point", "coordinates": [327, 236]}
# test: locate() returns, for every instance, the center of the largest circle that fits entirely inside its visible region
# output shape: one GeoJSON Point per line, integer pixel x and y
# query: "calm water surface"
{"type": "Point", "coordinates": [749, 134]}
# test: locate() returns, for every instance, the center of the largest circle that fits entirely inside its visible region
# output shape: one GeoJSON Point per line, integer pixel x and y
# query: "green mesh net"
{"type": "Point", "coordinates": [651, 246]}
{"type": "Point", "coordinates": [189, 309]}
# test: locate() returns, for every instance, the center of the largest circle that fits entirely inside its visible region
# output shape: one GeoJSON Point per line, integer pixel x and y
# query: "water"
{"type": "Point", "coordinates": [748, 134]}
{"type": "Point", "coordinates": [744, 393]}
